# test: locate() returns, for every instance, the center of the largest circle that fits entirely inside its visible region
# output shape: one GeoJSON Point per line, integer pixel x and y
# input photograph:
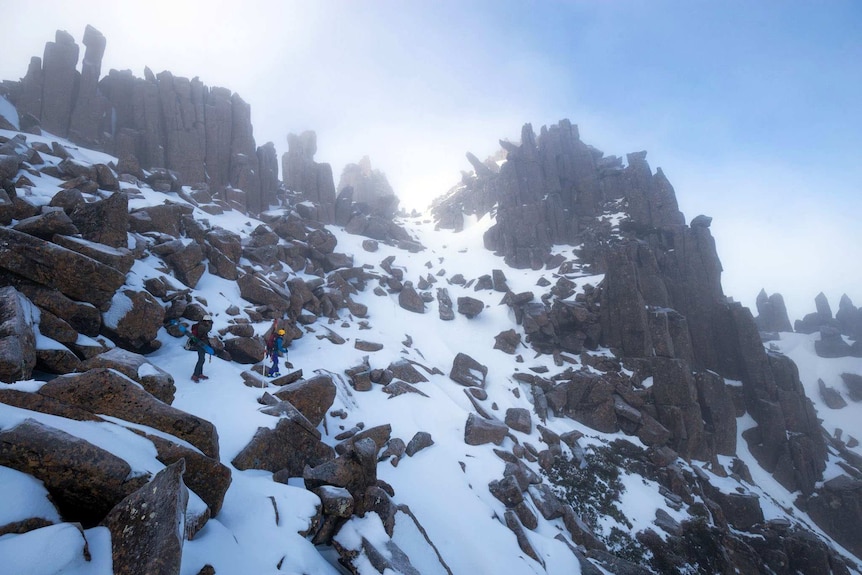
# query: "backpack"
{"type": "Point", "coordinates": [271, 334]}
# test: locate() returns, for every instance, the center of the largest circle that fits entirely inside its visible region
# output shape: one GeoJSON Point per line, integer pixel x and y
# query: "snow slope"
{"type": "Point", "coordinates": [445, 486]}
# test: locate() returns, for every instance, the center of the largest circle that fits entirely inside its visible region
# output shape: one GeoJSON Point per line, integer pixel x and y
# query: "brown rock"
{"type": "Point", "coordinates": [154, 379]}
{"type": "Point", "coordinates": [133, 320]}
{"type": "Point", "coordinates": [405, 371]}
{"type": "Point", "coordinates": [84, 481]}
{"type": "Point", "coordinates": [355, 470]}
{"type": "Point", "coordinates": [17, 338]}
{"type": "Point", "coordinates": [290, 446]}
{"type": "Point", "coordinates": [467, 371]}
{"type": "Point", "coordinates": [120, 259]}
{"type": "Point", "coordinates": [42, 404]}
{"type": "Point", "coordinates": [84, 318]}
{"type": "Point", "coordinates": [420, 441]}
{"type": "Point", "coordinates": [76, 276]}
{"type": "Point", "coordinates": [258, 290]}
{"type": "Point", "coordinates": [479, 431]}
{"type": "Point", "coordinates": [470, 307]}
{"type": "Point", "coordinates": [410, 300]}
{"type": "Point", "coordinates": [57, 360]}
{"type": "Point", "coordinates": [47, 224]}
{"type": "Point", "coordinates": [518, 418]}
{"type": "Point", "coordinates": [146, 538]}
{"type": "Point", "coordinates": [312, 397]}
{"type": "Point", "coordinates": [104, 221]}
{"type": "Point", "coordinates": [245, 350]}
{"type": "Point", "coordinates": [204, 475]}
{"type": "Point", "coordinates": [105, 391]}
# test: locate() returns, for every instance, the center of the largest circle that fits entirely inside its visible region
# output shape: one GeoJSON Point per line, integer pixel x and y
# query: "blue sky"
{"type": "Point", "coordinates": [752, 109]}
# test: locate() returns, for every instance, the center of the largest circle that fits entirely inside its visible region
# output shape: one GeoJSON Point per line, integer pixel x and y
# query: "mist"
{"type": "Point", "coordinates": [750, 109]}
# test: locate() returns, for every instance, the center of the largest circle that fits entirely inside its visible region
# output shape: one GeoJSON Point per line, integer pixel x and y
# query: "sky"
{"type": "Point", "coordinates": [750, 108]}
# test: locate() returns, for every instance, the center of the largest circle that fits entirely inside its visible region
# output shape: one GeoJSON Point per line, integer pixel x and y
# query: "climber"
{"type": "Point", "coordinates": [275, 349]}
{"type": "Point", "coordinates": [199, 341]}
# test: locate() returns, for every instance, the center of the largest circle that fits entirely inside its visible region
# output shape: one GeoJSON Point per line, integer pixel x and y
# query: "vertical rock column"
{"type": "Point", "coordinates": [59, 83]}
{"type": "Point", "coordinates": [91, 108]}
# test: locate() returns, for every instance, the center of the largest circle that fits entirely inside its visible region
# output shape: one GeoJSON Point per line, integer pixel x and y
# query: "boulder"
{"type": "Point", "coordinates": [163, 219]}
{"type": "Point", "coordinates": [47, 224]}
{"type": "Point", "coordinates": [256, 289]}
{"type": "Point", "coordinates": [355, 470]}
{"type": "Point", "coordinates": [467, 371]}
{"type": "Point", "coordinates": [836, 507]}
{"type": "Point", "coordinates": [152, 378]}
{"type": "Point", "coordinates": [405, 371]}
{"type": "Point", "coordinates": [245, 350]}
{"type": "Point", "coordinates": [831, 396]}
{"type": "Point", "coordinates": [204, 475]}
{"type": "Point", "coordinates": [409, 299]}
{"type": "Point", "coordinates": [77, 276]}
{"type": "Point", "coordinates": [147, 526]}
{"type": "Point", "coordinates": [479, 431]}
{"type": "Point", "coordinates": [85, 481]}
{"type": "Point", "coordinates": [17, 337]}
{"type": "Point", "coordinates": [108, 392]}
{"type": "Point", "coordinates": [290, 447]}
{"type": "Point", "coordinates": [853, 382]}
{"type": "Point", "coordinates": [133, 320]}
{"type": "Point", "coordinates": [120, 259]}
{"type": "Point", "coordinates": [104, 221]}
{"type": "Point", "coordinates": [831, 343]}
{"type": "Point", "coordinates": [470, 307]}
{"type": "Point", "coordinates": [507, 491]}
{"type": "Point", "coordinates": [312, 397]}
{"type": "Point", "coordinates": [420, 441]}
{"type": "Point", "coordinates": [84, 318]}
{"type": "Point", "coordinates": [57, 360]}
{"type": "Point", "coordinates": [444, 305]}
{"type": "Point", "coordinates": [507, 341]}
{"type": "Point", "coordinates": [518, 418]}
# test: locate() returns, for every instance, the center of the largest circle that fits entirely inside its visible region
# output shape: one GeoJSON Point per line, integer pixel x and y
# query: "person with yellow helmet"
{"type": "Point", "coordinates": [275, 351]}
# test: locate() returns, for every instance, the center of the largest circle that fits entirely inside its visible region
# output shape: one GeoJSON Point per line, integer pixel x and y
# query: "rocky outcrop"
{"type": "Point", "coordinates": [200, 134]}
{"type": "Point", "coordinates": [313, 181]}
{"type": "Point", "coordinates": [91, 109]}
{"type": "Point", "coordinates": [771, 313]}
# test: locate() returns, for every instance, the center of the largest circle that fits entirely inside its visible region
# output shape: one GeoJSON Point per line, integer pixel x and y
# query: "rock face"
{"type": "Point", "coordinates": [303, 175]}
{"type": "Point", "coordinates": [771, 313]}
{"type": "Point", "coordinates": [660, 306]}
{"type": "Point", "coordinates": [201, 134]}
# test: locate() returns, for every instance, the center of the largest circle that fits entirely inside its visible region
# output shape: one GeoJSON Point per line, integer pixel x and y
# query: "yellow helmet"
{"type": "Point", "coordinates": [281, 332]}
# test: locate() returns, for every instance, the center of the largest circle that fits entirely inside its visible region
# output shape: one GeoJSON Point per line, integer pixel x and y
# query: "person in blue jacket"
{"type": "Point", "coordinates": [275, 351]}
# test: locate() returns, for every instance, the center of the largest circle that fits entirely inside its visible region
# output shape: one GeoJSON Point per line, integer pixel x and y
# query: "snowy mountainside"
{"type": "Point", "coordinates": [478, 498]}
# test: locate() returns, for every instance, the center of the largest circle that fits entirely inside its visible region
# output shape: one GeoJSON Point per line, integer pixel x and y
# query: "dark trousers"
{"type": "Point", "coordinates": [199, 366]}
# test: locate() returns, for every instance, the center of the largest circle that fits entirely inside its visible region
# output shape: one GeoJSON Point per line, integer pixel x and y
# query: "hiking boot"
{"type": "Point", "coordinates": [196, 378]}
{"type": "Point", "coordinates": [202, 376]}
